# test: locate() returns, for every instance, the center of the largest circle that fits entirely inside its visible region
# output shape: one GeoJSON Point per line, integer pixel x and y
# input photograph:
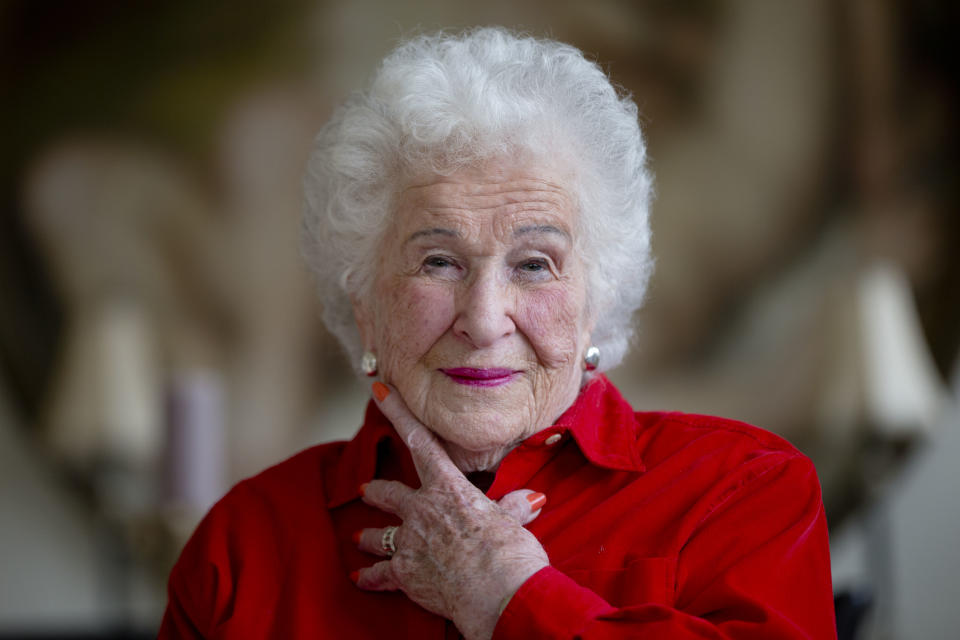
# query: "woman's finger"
{"type": "Point", "coordinates": [523, 505]}
{"type": "Point", "coordinates": [371, 541]}
{"type": "Point", "coordinates": [428, 454]}
{"type": "Point", "coordinates": [388, 495]}
{"type": "Point", "coordinates": [379, 577]}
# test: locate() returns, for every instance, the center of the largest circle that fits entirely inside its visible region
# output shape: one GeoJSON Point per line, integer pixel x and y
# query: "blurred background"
{"type": "Point", "coordinates": [159, 338]}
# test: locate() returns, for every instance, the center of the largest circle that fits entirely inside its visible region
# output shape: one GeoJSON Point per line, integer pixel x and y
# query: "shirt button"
{"type": "Point", "coordinates": [554, 439]}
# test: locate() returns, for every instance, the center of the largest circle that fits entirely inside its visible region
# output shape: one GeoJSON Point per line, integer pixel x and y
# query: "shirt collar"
{"type": "Point", "coordinates": [600, 420]}
{"type": "Point", "coordinates": [358, 462]}
{"type": "Point", "coordinates": [603, 425]}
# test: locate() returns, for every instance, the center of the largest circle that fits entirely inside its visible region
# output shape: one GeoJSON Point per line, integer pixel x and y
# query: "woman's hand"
{"type": "Point", "coordinates": [459, 554]}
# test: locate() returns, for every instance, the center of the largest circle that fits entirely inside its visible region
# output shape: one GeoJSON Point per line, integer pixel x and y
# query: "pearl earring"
{"type": "Point", "coordinates": [592, 358]}
{"type": "Point", "coordinates": [368, 363]}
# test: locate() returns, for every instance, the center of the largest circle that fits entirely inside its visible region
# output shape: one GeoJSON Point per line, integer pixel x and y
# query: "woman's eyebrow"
{"type": "Point", "coordinates": [525, 230]}
{"type": "Point", "coordinates": [439, 231]}
{"type": "Point", "coordinates": [541, 228]}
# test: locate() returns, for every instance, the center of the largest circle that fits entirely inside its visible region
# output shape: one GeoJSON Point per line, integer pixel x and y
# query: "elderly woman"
{"type": "Point", "coordinates": [477, 220]}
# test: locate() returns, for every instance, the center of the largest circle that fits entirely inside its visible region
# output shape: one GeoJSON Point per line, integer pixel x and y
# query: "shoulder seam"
{"type": "Point", "coordinates": [749, 477]}
{"type": "Point", "coordinates": [770, 440]}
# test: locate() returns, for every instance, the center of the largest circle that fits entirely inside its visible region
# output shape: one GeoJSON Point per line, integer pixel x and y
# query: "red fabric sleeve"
{"type": "Point", "coordinates": [198, 587]}
{"type": "Point", "coordinates": [203, 590]}
{"type": "Point", "coordinates": [757, 566]}
{"type": "Point", "coordinates": [178, 619]}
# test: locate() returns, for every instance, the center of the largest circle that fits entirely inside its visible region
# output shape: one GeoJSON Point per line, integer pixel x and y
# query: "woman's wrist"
{"type": "Point", "coordinates": [530, 570]}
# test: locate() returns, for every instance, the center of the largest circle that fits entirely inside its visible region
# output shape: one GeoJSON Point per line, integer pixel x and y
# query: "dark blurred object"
{"type": "Point", "coordinates": [852, 608]}
{"type": "Point", "coordinates": [930, 102]}
{"type": "Point", "coordinates": [900, 101]}
{"type": "Point", "coordinates": [31, 317]}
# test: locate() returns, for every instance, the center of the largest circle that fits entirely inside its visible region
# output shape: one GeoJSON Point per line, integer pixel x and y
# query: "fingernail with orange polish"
{"type": "Point", "coordinates": [363, 488]}
{"type": "Point", "coordinates": [354, 576]}
{"type": "Point", "coordinates": [356, 536]}
{"type": "Point", "coordinates": [536, 500]}
{"type": "Point", "coordinates": [380, 390]}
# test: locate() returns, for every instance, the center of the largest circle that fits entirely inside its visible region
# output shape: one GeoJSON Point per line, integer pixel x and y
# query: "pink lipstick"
{"type": "Point", "coordinates": [479, 377]}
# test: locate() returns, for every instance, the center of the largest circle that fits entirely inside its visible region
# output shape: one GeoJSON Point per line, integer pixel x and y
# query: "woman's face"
{"type": "Point", "coordinates": [478, 314]}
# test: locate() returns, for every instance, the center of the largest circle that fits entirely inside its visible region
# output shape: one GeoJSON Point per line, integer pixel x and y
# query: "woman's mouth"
{"type": "Point", "coordinates": [480, 377]}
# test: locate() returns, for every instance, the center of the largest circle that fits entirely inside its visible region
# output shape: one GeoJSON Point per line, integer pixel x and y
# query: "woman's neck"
{"type": "Point", "coordinates": [471, 461]}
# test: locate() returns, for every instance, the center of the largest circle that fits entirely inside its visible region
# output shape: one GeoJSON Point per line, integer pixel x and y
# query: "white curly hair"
{"type": "Point", "coordinates": [442, 102]}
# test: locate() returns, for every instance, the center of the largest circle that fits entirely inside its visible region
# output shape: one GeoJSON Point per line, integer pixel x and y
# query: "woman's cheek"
{"type": "Point", "coordinates": [553, 320]}
{"type": "Point", "coordinates": [415, 317]}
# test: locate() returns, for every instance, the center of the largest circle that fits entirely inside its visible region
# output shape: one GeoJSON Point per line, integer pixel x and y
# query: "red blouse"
{"type": "Point", "coordinates": [657, 525]}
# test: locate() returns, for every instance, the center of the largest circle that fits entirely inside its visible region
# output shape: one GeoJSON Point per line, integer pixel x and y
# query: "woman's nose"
{"type": "Point", "coordinates": [484, 310]}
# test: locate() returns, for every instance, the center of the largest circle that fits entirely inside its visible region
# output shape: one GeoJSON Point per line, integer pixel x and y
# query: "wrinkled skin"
{"type": "Point", "coordinates": [459, 554]}
{"type": "Point", "coordinates": [478, 271]}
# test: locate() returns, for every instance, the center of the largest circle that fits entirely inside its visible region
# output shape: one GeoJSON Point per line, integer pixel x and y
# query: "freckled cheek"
{"type": "Point", "coordinates": [552, 322]}
{"type": "Point", "coordinates": [413, 319]}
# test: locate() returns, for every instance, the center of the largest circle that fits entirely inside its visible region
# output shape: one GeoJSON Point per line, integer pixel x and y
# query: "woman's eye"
{"type": "Point", "coordinates": [438, 262]}
{"type": "Point", "coordinates": [533, 266]}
